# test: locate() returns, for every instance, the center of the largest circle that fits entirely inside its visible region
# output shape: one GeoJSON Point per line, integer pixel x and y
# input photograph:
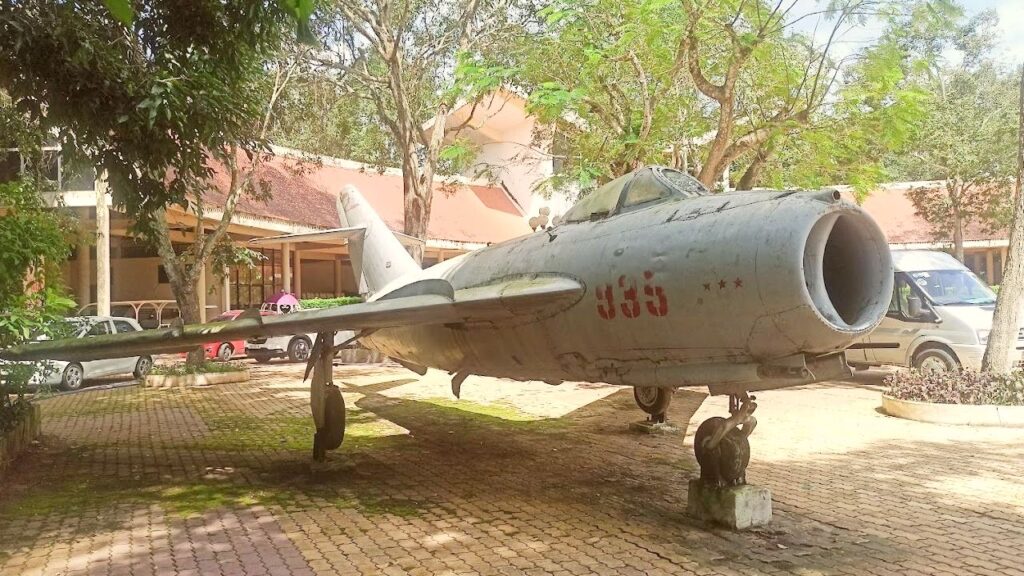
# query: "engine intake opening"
{"type": "Point", "coordinates": [848, 270]}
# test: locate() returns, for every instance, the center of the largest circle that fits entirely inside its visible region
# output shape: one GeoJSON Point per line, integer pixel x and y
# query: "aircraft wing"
{"type": "Point", "coordinates": [434, 303]}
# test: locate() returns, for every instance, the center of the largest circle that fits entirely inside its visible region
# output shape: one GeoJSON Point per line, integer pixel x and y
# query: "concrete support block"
{"type": "Point", "coordinates": [736, 507]}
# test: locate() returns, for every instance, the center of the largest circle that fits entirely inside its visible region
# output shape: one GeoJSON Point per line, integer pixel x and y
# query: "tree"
{"type": "Point", "coordinates": [152, 99]}
{"type": "Point", "coordinates": [409, 60]}
{"type": "Point", "coordinates": [962, 140]}
{"type": "Point", "coordinates": [1005, 320]}
{"type": "Point", "coordinates": [711, 84]}
{"type": "Point", "coordinates": [606, 79]}
{"type": "Point", "coordinates": [36, 240]}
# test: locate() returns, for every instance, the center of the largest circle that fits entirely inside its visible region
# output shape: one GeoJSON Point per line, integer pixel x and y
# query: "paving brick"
{"type": "Point", "coordinates": [217, 480]}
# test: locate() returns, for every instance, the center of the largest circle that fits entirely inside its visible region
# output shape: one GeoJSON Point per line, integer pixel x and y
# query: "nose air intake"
{"type": "Point", "coordinates": [848, 270]}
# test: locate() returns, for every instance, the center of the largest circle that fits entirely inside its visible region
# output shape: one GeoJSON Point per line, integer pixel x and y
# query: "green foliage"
{"type": "Point", "coordinates": [614, 82]}
{"type": "Point", "coordinates": [207, 367]}
{"type": "Point", "coordinates": [123, 10]}
{"type": "Point", "coordinates": [311, 303]}
{"type": "Point", "coordinates": [967, 136]}
{"type": "Point", "coordinates": [148, 104]}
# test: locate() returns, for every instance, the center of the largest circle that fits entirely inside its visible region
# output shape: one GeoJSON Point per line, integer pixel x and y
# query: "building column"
{"type": "Point", "coordinates": [102, 248]}
{"type": "Point", "coordinates": [286, 267]}
{"type": "Point", "coordinates": [990, 266]}
{"type": "Point", "coordinates": [225, 299]}
{"type": "Point", "coordinates": [298, 274]}
{"type": "Point", "coordinates": [84, 291]}
{"type": "Point", "coordinates": [337, 276]}
{"type": "Point", "coordinates": [201, 294]}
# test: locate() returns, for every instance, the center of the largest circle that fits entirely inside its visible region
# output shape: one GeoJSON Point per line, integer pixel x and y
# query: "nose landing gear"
{"type": "Point", "coordinates": [721, 445]}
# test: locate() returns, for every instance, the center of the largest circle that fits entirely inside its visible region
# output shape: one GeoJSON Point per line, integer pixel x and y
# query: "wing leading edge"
{"type": "Point", "coordinates": [492, 303]}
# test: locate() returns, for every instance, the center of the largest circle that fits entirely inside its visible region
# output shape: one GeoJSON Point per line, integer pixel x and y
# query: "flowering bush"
{"type": "Point", "coordinates": [964, 387]}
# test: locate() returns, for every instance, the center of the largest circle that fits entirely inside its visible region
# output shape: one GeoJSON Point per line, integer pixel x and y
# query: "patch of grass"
{"type": "Point", "coordinates": [88, 497]}
{"type": "Point", "coordinates": [133, 399]}
{"type": "Point", "coordinates": [182, 369]}
{"type": "Point", "coordinates": [232, 431]}
{"type": "Point", "coordinates": [500, 411]}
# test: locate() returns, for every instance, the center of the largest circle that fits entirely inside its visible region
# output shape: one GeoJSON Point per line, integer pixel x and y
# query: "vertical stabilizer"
{"type": "Point", "coordinates": [378, 258]}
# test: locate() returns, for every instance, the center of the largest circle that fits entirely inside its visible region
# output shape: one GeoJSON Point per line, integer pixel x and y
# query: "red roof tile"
{"type": "Point", "coordinates": [896, 215]}
{"type": "Point", "coordinates": [304, 193]}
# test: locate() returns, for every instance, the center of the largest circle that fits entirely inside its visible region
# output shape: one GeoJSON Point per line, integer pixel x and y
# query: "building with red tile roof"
{"type": "Point", "coordinates": [984, 249]}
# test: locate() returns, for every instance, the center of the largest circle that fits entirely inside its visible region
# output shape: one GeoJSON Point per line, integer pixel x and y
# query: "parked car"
{"type": "Point", "coordinates": [227, 349]}
{"type": "Point", "coordinates": [938, 320]}
{"type": "Point", "coordinates": [71, 375]}
{"type": "Point", "coordinates": [295, 347]}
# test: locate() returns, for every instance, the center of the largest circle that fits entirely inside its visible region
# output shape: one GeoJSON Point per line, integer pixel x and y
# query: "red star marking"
{"type": "Point", "coordinates": [738, 283]}
{"type": "Point", "coordinates": [707, 287]}
{"type": "Point", "coordinates": [721, 284]}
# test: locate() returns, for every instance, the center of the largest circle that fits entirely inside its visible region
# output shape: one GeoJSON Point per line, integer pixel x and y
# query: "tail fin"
{"type": "Point", "coordinates": [378, 257]}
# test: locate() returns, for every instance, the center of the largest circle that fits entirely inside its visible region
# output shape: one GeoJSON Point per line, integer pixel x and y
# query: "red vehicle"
{"type": "Point", "coordinates": [224, 350]}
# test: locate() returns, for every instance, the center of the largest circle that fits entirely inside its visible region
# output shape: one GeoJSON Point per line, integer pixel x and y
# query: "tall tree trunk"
{"type": "Point", "coordinates": [958, 237]}
{"type": "Point", "coordinates": [752, 174]}
{"type": "Point", "coordinates": [417, 200]}
{"type": "Point", "coordinates": [1005, 324]}
{"type": "Point", "coordinates": [186, 294]}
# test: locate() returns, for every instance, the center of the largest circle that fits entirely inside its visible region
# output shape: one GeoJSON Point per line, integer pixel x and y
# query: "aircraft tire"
{"type": "Point", "coordinates": [654, 401]}
{"type": "Point", "coordinates": [332, 434]}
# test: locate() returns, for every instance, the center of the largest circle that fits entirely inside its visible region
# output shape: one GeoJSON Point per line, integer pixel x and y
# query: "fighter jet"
{"type": "Point", "coordinates": [651, 281]}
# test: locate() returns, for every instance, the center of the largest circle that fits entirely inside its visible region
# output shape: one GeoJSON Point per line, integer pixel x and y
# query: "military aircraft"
{"type": "Point", "coordinates": [650, 281]}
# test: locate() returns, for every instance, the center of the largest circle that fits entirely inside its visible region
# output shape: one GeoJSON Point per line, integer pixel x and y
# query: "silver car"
{"type": "Point", "coordinates": [71, 375]}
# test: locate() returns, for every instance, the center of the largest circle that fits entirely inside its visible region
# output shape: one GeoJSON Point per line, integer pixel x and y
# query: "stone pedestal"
{"type": "Point", "coordinates": [736, 507]}
{"type": "Point", "coordinates": [648, 427]}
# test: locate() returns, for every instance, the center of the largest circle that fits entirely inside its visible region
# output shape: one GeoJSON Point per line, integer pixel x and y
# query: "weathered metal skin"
{"type": "Point", "coordinates": [703, 290]}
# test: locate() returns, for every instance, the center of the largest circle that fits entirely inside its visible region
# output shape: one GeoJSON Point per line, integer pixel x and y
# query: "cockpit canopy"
{"type": "Point", "coordinates": [634, 190]}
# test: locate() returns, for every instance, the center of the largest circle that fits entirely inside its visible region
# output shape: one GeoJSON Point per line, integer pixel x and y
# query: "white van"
{"type": "Point", "coordinates": [938, 320]}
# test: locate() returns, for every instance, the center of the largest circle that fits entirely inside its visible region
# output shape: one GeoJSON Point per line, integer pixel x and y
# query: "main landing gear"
{"type": "Point", "coordinates": [654, 401]}
{"type": "Point", "coordinates": [325, 399]}
{"type": "Point", "coordinates": [721, 444]}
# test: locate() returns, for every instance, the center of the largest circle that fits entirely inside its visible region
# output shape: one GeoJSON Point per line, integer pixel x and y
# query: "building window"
{"type": "Point", "coordinates": [64, 176]}
{"type": "Point", "coordinates": [250, 287]}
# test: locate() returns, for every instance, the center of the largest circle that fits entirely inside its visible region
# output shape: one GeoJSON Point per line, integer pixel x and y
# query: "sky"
{"type": "Point", "coordinates": [1010, 44]}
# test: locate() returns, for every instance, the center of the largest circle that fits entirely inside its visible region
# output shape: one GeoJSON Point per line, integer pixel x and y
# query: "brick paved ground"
{"type": "Point", "coordinates": [515, 479]}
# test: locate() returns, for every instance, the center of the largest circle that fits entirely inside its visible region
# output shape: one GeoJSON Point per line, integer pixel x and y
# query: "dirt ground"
{"type": "Point", "coordinates": [515, 478]}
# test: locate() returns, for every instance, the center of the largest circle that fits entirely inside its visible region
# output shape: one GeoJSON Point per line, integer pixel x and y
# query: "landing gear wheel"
{"type": "Point", "coordinates": [73, 377]}
{"type": "Point", "coordinates": [721, 445]}
{"type": "Point", "coordinates": [936, 360]}
{"type": "Point", "coordinates": [143, 366]}
{"type": "Point", "coordinates": [332, 434]}
{"type": "Point", "coordinates": [654, 401]}
{"type": "Point", "coordinates": [298, 350]}
{"type": "Point", "coordinates": [225, 352]}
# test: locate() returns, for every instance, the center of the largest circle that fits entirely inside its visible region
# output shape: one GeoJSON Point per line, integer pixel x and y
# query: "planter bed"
{"type": "Point", "coordinates": [18, 438]}
{"type": "Point", "coordinates": [963, 414]}
{"type": "Point", "coordinates": [200, 379]}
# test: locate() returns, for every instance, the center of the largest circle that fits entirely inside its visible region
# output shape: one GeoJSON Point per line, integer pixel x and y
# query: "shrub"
{"type": "Point", "coordinates": [965, 387]}
{"type": "Point", "coordinates": [183, 368]}
{"type": "Point", "coordinates": [310, 303]}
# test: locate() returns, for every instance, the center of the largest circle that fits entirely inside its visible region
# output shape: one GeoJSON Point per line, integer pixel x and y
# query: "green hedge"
{"type": "Point", "coordinates": [310, 303]}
